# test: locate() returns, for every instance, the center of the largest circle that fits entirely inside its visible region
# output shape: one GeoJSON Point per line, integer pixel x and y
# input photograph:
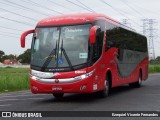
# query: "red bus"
{"type": "Point", "coordinates": [85, 53]}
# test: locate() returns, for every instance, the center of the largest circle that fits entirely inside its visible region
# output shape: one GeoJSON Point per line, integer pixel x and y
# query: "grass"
{"type": "Point", "coordinates": [14, 70]}
{"type": "Point", "coordinates": [14, 79]}
{"type": "Point", "coordinates": [154, 68]}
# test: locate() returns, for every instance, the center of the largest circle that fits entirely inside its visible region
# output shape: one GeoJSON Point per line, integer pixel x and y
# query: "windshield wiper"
{"type": "Point", "coordinates": [66, 56]}
{"type": "Point", "coordinates": [49, 58]}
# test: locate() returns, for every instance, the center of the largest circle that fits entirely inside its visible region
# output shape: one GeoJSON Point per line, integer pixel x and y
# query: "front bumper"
{"type": "Point", "coordinates": [81, 86]}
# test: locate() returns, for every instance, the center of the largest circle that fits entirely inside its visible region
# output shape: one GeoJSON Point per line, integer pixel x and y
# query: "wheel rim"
{"type": "Point", "coordinates": [140, 81]}
{"type": "Point", "coordinates": [106, 86]}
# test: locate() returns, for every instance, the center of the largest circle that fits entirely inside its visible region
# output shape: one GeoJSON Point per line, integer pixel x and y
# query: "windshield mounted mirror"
{"type": "Point", "coordinates": [94, 31]}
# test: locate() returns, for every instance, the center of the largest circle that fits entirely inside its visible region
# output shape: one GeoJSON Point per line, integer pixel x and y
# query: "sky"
{"type": "Point", "coordinates": [17, 16]}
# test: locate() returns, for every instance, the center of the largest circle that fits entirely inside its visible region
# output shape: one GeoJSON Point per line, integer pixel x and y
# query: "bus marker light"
{"type": "Point", "coordinates": [96, 77]}
{"type": "Point", "coordinates": [94, 86]}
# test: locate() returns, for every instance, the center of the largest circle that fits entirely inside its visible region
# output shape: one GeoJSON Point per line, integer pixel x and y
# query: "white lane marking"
{"type": "Point", "coordinates": [21, 99]}
{"type": "Point", "coordinates": [24, 91]}
{"type": "Point", "coordinates": [152, 74]}
{"type": "Point", "coordinates": [15, 93]}
{"type": "Point", "coordinates": [5, 105]}
{"type": "Point", "coordinates": [151, 94]}
{"type": "Point", "coordinates": [7, 96]}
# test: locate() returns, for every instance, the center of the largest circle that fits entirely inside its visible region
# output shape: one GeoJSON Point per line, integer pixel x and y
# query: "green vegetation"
{"type": "Point", "coordinates": [154, 68]}
{"type": "Point", "coordinates": [24, 58]}
{"type": "Point", "coordinates": [14, 79]}
{"type": "Point", "coordinates": [14, 70]}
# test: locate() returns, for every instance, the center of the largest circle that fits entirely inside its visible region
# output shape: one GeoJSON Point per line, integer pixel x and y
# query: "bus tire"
{"type": "Point", "coordinates": [58, 95]}
{"type": "Point", "coordinates": [138, 83]}
{"type": "Point", "coordinates": [105, 92]}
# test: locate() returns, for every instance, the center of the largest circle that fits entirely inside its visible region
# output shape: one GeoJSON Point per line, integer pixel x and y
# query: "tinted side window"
{"type": "Point", "coordinates": [124, 39]}
{"type": "Point", "coordinates": [110, 31]}
{"type": "Point", "coordinates": [132, 48]}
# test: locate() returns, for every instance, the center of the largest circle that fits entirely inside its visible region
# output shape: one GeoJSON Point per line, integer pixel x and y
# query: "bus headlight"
{"type": "Point", "coordinates": [85, 75]}
{"type": "Point", "coordinates": [33, 77]}
{"type": "Point", "coordinates": [43, 74]}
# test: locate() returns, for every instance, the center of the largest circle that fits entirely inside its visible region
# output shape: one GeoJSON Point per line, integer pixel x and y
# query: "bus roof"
{"type": "Point", "coordinates": [78, 18]}
{"type": "Point", "coordinates": [72, 19]}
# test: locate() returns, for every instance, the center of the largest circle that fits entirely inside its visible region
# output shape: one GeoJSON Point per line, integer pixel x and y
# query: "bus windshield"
{"type": "Point", "coordinates": [66, 46]}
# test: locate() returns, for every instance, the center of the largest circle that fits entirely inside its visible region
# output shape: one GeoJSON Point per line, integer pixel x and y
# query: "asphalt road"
{"type": "Point", "coordinates": [124, 98]}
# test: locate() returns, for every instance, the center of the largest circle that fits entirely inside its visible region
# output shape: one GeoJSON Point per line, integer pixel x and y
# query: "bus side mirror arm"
{"type": "Point", "coordinates": [23, 37]}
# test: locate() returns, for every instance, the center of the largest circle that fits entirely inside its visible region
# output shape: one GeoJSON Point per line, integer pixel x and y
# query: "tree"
{"type": "Point", "coordinates": [25, 57]}
{"type": "Point", "coordinates": [11, 57]}
{"type": "Point", "coordinates": [1, 55]}
{"type": "Point", "coordinates": [158, 58]}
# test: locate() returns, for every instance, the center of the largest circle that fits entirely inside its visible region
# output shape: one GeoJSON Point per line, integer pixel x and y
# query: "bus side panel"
{"type": "Point", "coordinates": [130, 54]}
{"type": "Point", "coordinates": [117, 79]}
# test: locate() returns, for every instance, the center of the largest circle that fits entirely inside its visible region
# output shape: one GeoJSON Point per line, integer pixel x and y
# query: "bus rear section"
{"type": "Point", "coordinates": [128, 55]}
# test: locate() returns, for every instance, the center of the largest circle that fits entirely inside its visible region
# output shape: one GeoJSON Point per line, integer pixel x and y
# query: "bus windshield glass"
{"type": "Point", "coordinates": [55, 47]}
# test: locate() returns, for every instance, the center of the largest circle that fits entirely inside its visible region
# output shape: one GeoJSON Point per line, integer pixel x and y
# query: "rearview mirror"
{"type": "Point", "coordinates": [23, 37]}
{"type": "Point", "coordinates": [93, 34]}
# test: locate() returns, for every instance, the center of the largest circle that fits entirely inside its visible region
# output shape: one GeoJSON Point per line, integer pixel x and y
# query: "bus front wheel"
{"type": "Point", "coordinates": [105, 92]}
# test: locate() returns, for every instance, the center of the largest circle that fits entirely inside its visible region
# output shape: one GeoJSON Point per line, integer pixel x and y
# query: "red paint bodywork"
{"type": "Point", "coordinates": [102, 66]}
{"type": "Point", "coordinates": [72, 19]}
{"type": "Point", "coordinates": [93, 35]}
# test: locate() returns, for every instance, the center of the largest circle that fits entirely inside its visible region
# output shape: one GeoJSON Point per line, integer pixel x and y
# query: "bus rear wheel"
{"type": "Point", "coordinates": [138, 83]}
{"type": "Point", "coordinates": [58, 95]}
{"type": "Point", "coordinates": [105, 92]}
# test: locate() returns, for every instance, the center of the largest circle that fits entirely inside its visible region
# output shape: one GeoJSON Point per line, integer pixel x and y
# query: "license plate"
{"type": "Point", "coordinates": [57, 88]}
